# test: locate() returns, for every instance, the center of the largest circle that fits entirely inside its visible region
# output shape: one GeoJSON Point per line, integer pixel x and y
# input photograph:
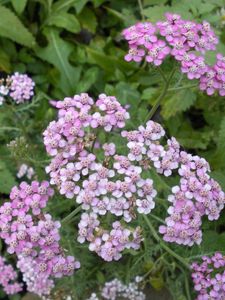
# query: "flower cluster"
{"type": "Point", "coordinates": [20, 87]}
{"type": "Point", "coordinates": [118, 185]}
{"type": "Point", "coordinates": [25, 170]}
{"type": "Point", "coordinates": [8, 278]}
{"type": "Point", "coordinates": [115, 289]}
{"type": "Point", "coordinates": [34, 236]}
{"type": "Point", "coordinates": [114, 186]}
{"type": "Point", "coordinates": [196, 195]}
{"type": "Point", "coordinates": [209, 277]}
{"type": "Point", "coordinates": [181, 39]}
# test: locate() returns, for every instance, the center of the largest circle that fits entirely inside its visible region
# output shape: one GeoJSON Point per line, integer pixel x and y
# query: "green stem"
{"type": "Point", "coordinates": [71, 215]}
{"type": "Point", "coordinates": [182, 260]}
{"type": "Point", "coordinates": [161, 96]}
{"type": "Point", "coordinates": [141, 9]}
{"type": "Point", "coordinates": [182, 87]}
{"type": "Point", "coordinates": [157, 218]}
{"type": "Point", "coordinates": [10, 128]}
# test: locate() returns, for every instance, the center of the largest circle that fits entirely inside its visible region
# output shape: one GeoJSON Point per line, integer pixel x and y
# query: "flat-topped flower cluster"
{"type": "Point", "coordinates": [34, 237]}
{"type": "Point", "coordinates": [118, 185]}
{"type": "Point", "coordinates": [209, 277]}
{"type": "Point", "coordinates": [8, 278]}
{"type": "Point", "coordinates": [19, 87]}
{"type": "Point", "coordinates": [116, 289]}
{"type": "Point", "coordinates": [187, 41]}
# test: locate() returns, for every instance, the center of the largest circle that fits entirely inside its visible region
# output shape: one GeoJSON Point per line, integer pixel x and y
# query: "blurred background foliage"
{"type": "Point", "coordinates": [73, 46]}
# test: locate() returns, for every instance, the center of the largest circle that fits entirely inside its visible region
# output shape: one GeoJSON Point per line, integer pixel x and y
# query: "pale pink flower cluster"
{"type": "Point", "coordinates": [33, 235]}
{"type": "Point", "coordinates": [115, 289]}
{"type": "Point", "coordinates": [181, 39]}
{"type": "Point", "coordinates": [20, 87]}
{"type": "Point", "coordinates": [113, 186]}
{"type": "Point", "coordinates": [116, 184]}
{"type": "Point", "coordinates": [209, 277]}
{"type": "Point", "coordinates": [197, 193]}
{"type": "Point", "coordinates": [25, 171]}
{"type": "Point", "coordinates": [8, 278]}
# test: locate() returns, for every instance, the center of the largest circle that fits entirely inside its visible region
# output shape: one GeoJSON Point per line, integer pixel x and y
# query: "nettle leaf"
{"type": "Point", "coordinates": [19, 6]}
{"type": "Point", "coordinates": [57, 53]}
{"type": "Point", "coordinates": [221, 137]}
{"type": "Point", "coordinates": [66, 21]}
{"type": "Point", "coordinates": [178, 102]}
{"type": "Point", "coordinates": [6, 179]}
{"type": "Point", "coordinates": [12, 28]}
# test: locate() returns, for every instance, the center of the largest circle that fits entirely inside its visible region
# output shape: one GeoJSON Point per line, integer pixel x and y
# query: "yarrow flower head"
{"type": "Point", "coordinates": [116, 185]}
{"type": "Point", "coordinates": [209, 277]}
{"type": "Point", "coordinates": [21, 87]}
{"type": "Point", "coordinates": [180, 38]}
{"type": "Point", "coordinates": [115, 289]}
{"type": "Point", "coordinates": [8, 278]}
{"type": "Point", "coordinates": [34, 236]}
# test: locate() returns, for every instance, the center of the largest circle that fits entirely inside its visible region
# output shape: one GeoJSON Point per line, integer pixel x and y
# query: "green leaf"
{"type": "Point", "coordinates": [148, 93]}
{"type": "Point", "coordinates": [57, 53]}
{"type": "Point", "coordinates": [178, 102]}
{"type": "Point", "coordinates": [6, 178]}
{"type": "Point", "coordinates": [19, 5]}
{"type": "Point", "coordinates": [127, 94]}
{"type": "Point", "coordinates": [89, 78]}
{"type": "Point", "coordinates": [221, 137]}
{"type": "Point", "coordinates": [4, 61]}
{"type": "Point", "coordinates": [63, 5]}
{"type": "Point", "coordinates": [88, 20]}
{"type": "Point", "coordinates": [79, 5]}
{"type": "Point", "coordinates": [12, 28]}
{"type": "Point", "coordinates": [107, 62]}
{"type": "Point", "coordinates": [156, 13]}
{"type": "Point", "coordinates": [66, 21]}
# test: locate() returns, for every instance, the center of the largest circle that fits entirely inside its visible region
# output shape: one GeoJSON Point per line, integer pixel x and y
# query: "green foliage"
{"type": "Point", "coordinates": [74, 46]}
{"type": "Point", "coordinates": [12, 28]}
{"type": "Point", "coordinates": [6, 178]}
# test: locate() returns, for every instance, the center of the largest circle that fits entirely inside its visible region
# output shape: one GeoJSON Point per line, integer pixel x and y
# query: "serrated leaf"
{"type": "Point", "coordinates": [12, 28]}
{"type": "Point", "coordinates": [178, 102]}
{"type": "Point", "coordinates": [6, 179]}
{"type": "Point", "coordinates": [221, 137]}
{"type": "Point", "coordinates": [19, 6]}
{"type": "Point", "coordinates": [66, 21]}
{"type": "Point", "coordinates": [4, 62]}
{"type": "Point", "coordinates": [57, 53]}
